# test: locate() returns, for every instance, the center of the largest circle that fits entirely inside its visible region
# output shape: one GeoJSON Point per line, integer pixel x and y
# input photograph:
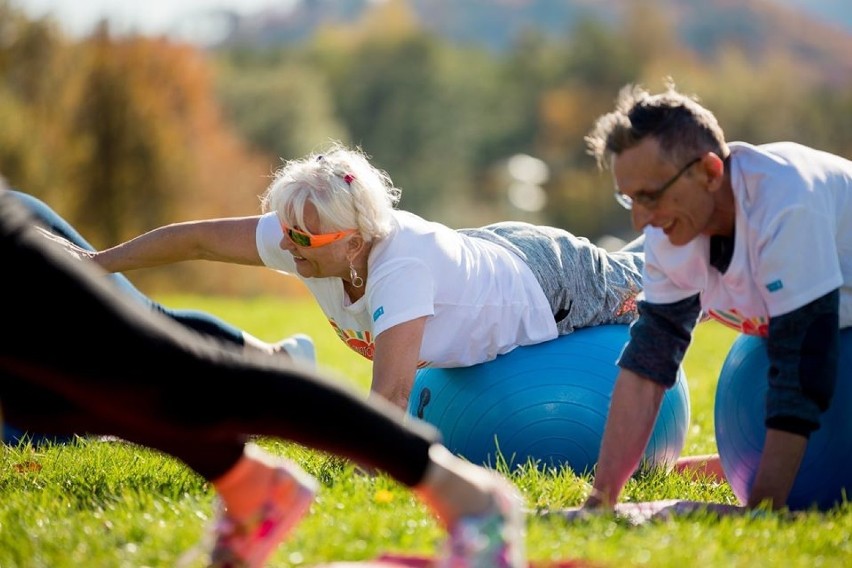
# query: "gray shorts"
{"type": "Point", "coordinates": [585, 284]}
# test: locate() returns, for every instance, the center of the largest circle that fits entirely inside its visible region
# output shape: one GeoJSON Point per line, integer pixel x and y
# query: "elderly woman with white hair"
{"type": "Point", "coordinates": [402, 291]}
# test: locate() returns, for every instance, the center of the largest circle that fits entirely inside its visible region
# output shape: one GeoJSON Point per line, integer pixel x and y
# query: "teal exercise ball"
{"type": "Point", "coordinates": [825, 475]}
{"type": "Point", "coordinates": [545, 403]}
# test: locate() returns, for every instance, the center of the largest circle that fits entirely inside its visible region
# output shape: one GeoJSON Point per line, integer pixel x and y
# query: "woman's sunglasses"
{"type": "Point", "coordinates": [303, 239]}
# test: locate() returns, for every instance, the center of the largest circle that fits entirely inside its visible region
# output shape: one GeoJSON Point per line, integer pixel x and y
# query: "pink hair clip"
{"type": "Point", "coordinates": [348, 178]}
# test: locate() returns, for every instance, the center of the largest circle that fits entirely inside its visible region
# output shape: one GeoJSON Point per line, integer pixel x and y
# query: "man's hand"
{"type": "Point", "coordinates": [632, 414]}
{"type": "Point", "coordinates": [779, 464]}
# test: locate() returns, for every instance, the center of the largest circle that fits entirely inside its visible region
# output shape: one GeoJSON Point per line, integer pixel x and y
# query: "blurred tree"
{"type": "Point", "coordinates": [158, 149]}
{"type": "Point", "coordinates": [529, 69]}
{"type": "Point", "coordinates": [120, 134]}
{"type": "Point", "coordinates": [284, 108]}
{"type": "Point", "coordinates": [39, 88]}
{"type": "Point", "coordinates": [132, 144]}
{"type": "Point", "coordinates": [595, 61]}
{"type": "Point", "coordinates": [828, 120]}
{"type": "Point", "coordinates": [421, 110]}
{"type": "Point", "coordinates": [764, 105]}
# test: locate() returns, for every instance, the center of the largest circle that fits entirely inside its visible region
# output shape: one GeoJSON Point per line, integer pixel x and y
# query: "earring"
{"type": "Point", "coordinates": [356, 280]}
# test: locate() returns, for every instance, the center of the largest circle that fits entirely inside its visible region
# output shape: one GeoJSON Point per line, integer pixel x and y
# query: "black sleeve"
{"type": "Point", "coordinates": [659, 339]}
{"type": "Point", "coordinates": [803, 349]}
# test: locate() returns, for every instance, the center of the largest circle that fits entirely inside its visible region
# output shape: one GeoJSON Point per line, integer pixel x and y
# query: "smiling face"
{"type": "Point", "coordinates": [329, 260]}
{"type": "Point", "coordinates": [688, 206]}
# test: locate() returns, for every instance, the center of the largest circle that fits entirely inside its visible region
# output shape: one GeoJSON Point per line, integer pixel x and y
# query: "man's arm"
{"type": "Point", "coordinates": [803, 347]}
{"type": "Point", "coordinates": [649, 365]}
{"type": "Point", "coordinates": [632, 413]}
{"type": "Point", "coordinates": [779, 465]}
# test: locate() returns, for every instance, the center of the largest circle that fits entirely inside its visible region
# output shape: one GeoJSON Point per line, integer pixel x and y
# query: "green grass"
{"type": "Point", "coordinates": [97, 504]}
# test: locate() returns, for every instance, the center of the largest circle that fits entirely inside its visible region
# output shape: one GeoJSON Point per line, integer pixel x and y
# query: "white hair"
{"type": "Point", "coordinates": [347, 191]}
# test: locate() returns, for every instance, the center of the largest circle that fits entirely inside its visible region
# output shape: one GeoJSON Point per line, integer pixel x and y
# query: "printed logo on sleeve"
{"type": "Point", "coordinates": [775, 285]}
{"type": "Point", "coordinates": [378, 313]}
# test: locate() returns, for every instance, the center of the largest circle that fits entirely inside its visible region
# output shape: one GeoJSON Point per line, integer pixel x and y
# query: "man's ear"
{"type": "Point", "coordinates": [714, 165]}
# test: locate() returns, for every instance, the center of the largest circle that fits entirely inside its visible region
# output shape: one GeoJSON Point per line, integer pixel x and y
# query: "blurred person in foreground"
{"type": "Point", "coordinates": [226, 396]}
{"type": "Point", "coordinates": [758, 237]}
{"type": "Point", "coordinates": [402, 291]}
{"type": "Point", "coordinates": [299, 347]}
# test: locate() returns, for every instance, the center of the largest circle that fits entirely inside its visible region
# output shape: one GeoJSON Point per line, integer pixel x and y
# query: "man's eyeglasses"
{"type": "Point", "coordinates": [649, 199]}
{"type": "Point", "coordinates": [304, 239]}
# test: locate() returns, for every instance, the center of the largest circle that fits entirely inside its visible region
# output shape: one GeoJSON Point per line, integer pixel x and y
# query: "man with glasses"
{"type": "Point", "coordinates": [757, 237]}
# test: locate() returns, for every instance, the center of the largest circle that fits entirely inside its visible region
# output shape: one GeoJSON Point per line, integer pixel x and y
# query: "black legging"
{"type": "Point", "coordinates": [202, 322]}
{"type": "Point", "coordinates": [196, 320]}
{"type": "Point", "coordinates": [138, 375]}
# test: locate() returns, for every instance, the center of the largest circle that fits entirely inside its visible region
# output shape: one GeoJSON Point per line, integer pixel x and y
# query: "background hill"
{"type": "Point", "coordinates": [815, 34]}
{"type": "Point", "coordinates": [834, 12]}
{"type": "Point", "coordinates": [476, 109]}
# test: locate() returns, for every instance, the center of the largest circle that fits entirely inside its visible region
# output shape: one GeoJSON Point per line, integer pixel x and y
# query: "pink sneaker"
{"type": "Point", "coordinates": [249, 544]}
{"type": "Point", "coordinates": [495, 539]}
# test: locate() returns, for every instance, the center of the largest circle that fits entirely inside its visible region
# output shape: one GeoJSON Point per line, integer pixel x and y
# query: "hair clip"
{"type": "Point", "coordinates": [348, 178]}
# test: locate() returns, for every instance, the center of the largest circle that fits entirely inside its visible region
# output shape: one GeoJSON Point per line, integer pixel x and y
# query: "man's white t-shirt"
{"type": "Point", "coordinates": [793, 241]}
{"type": "Point", "coordinates": [481, 300]}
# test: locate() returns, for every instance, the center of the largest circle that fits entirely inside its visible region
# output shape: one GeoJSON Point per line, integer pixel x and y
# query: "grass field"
{"type": "Point", "coordinates": [100, 504]}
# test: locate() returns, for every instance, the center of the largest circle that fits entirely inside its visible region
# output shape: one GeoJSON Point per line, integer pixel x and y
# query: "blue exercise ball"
{"type": "Point", "coordinates": [544, 403]}
{"type": "Point", "coordinates": [740, 413]}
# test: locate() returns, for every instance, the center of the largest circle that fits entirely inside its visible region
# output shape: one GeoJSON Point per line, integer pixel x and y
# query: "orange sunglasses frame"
{"type": "Point", "coordinates": [313, 241]}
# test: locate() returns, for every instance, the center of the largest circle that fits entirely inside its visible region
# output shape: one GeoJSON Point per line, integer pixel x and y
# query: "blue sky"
{"type": "Point", "coordinates": [77, 17]}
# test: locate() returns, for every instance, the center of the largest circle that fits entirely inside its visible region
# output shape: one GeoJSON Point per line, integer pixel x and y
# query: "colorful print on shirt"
{"type": "Point", "coordinates": [757, 325]}
{"type": "Point", "coordinates": [361, 342]}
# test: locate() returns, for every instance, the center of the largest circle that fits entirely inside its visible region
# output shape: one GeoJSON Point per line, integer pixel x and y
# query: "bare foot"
{"type": "Point", "coordinates": [707, 466]}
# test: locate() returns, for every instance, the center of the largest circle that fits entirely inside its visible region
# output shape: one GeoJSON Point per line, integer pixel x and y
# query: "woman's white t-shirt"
{"type": "Point", "coordinates": [793, 241]}
{"type": "Point", "coordinates": [481, 300]}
